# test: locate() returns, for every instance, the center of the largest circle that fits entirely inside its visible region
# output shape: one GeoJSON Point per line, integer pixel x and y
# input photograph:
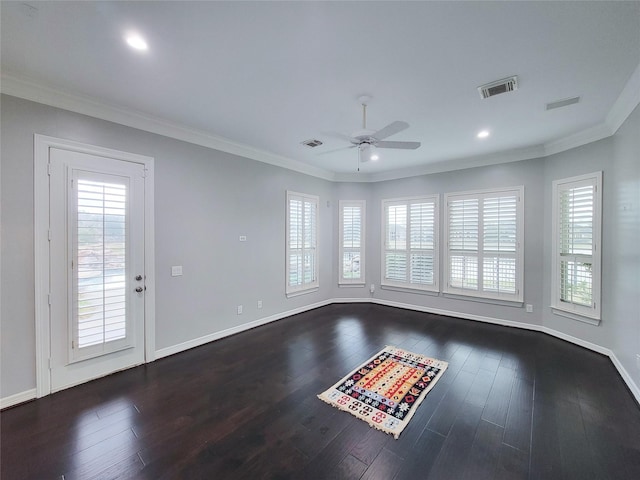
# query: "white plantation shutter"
{"type": "Point", "coordinates": [499, 244]}
{"type": "Point", "coordinates": [484, 252]}
{"type": "Point", "coordinates": [302, 243]}
{"type": "Point", "coordinates": [99, 242]}
{"type": "Point", "coordinates": [576, 234]}
{"type": "Point", "coordinates": [352, 237]}
{"type": "Point", "coordinates": [463, 243]}
{"type": "Point", "coordinates": [410, 258]}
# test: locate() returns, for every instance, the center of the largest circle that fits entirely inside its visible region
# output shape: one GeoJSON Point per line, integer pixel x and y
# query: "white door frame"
{"type": "Point", "coordinates": [42, 144]}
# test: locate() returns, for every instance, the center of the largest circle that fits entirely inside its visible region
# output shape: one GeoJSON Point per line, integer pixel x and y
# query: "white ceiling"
{"type": "Point", "coordinates": [267, 75]}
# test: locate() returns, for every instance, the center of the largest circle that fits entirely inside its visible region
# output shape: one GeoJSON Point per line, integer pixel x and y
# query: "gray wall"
{"type": "Point", "coordinates": [205, 199]}
{"type": "Point", "coordinates": [528, 173]}
{"type": "Point", "coordinates": [618, 157]}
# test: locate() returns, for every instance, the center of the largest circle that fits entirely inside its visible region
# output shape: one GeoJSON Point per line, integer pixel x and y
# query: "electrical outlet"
{"type": "Point", "coordinates": [176, 271]}
{"type": "Point", "coordinates": [529, 308]}
{"type": "Point", "coordinates": [243, 238]}
{"type": "Point", "coordinates": [259, 303]}
{"type": "Point", "coordinates": [372, 288]}
{"type": "Point", "coordinates": [638, 360]}
{"type": "Point", "coordinates": [239, 309]}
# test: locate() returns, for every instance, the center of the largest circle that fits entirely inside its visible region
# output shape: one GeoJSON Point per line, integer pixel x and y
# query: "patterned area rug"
{"type": "Point", "coordinates": [387, 389]}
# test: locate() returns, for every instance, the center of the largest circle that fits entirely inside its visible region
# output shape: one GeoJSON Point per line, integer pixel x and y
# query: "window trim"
{"type": "Point", "coordinates": [582, 313]}
{"type": "Point", "coordinates": [292, 291]}
{"type": "Point", "coordinates": [341, 248]}
{"type": "Point", "coordinates": [518, 297]}
{"type": "Point", "coordinates": [406, 286]}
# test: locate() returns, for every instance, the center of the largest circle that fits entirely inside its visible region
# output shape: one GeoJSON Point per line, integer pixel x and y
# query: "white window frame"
{"type": "Point", "coordinates": [407, 285]}
{"type": "Point", "coordinates": [342, 204]}
{"type": "Point", "coordinates": [572, 310]}
{"type": "Point", "coordinates": [480, 293]}
{"type": "Point", "coordinates": [314, 284]}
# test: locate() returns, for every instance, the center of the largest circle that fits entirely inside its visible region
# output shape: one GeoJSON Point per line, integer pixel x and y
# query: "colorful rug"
{"type": "Point", "coordinates": [386, 390]}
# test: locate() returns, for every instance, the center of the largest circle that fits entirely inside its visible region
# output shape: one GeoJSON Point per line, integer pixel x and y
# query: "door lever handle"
{"type": "Point", "coordinates": [139, 289]}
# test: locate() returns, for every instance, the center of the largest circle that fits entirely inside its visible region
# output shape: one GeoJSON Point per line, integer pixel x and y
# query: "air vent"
{"type": "Point", "coordinates": [312, 143]}
{"type": "Point", "coordinates": [499, 86]}
{"type": "Point", "coordinates": [562, 103]}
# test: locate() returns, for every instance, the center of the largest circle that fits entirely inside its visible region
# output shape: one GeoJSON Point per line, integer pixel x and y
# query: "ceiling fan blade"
{"type": "Point", "coordinates": [403, 145]}
{"type": "Point", "coordinates": [339, 136]}
{"type": "Point", "coordinates": [390, 129]}
{"type": "Point", "coordinates": [336, 150]}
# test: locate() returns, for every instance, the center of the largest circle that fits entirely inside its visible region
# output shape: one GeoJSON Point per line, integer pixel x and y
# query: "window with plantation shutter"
{"type": "Point", "coordinates": [100, 256]}
{"type": "Point", "coordinates": [410, 253]}
{"type": "Point", "coordinates": [484, 244]}
{"type": "Point", "coordinates": [301, 243]}
{"type": "Point", "coordinates": [351, 247]}
{"type": "Point", "coordinates": [576, 252]}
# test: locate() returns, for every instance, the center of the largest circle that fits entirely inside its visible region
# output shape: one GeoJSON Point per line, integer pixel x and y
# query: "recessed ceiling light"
{"type": "Point", "coordinates": [136, 42]}
{"type": "Point", "coordinates": [483, 134]}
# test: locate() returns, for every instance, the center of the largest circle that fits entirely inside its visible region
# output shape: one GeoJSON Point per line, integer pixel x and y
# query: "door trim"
{"type": "Point", "coordinates": [41, 147]}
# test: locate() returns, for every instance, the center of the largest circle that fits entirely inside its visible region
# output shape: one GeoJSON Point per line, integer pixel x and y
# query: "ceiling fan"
{"type": "Point", "coordinates": [368, 141]}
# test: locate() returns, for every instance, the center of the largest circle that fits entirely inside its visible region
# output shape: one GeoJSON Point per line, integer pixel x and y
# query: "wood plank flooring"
{"type": "Point", "coordinates": [513, 405]}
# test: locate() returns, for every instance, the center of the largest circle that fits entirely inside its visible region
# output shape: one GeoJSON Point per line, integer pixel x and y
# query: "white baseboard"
{"type": "Point", "coordinates": [466, 316]}
{"type": "Point", "coordinates": [164, 352]}
{"type": "Point", "coordinates": [196, 342]}
{"type": "Point", "coordinates": [577, 341]}
{"type": "Point", "coordinates": [21, 397]}
{"type": "Point", "coordinates": [526, 326]}
{"type": "Point", "coordinates": [626, 377]}
{"type": "Point", "coordinates": [350, 300]}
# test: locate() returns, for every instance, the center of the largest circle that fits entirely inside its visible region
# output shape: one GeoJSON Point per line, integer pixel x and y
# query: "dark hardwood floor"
{"type": "Point", "coordinates": [512, 405]}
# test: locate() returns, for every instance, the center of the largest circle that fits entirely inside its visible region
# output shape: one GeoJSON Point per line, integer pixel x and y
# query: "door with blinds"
{"type": "Point", "coordinates": [96, 266]}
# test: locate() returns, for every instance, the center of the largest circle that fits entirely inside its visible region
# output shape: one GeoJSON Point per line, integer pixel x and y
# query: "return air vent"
{"type": "Point", "coordinates": [499, 86]}
{"type": "Point", "coordinates": [312, 143]}
{"type": "Point", "coordinates": [562, 103]}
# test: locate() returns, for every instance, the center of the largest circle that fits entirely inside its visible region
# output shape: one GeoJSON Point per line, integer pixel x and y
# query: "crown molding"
{"type": "Point", "coordinates": [495, 158]}
{"type": "Point", "coordinates": [30, 90]}
{"type": "Point", "coordinates": [578, 139]}
{"type": "Point", "coordinates": [627, 101]}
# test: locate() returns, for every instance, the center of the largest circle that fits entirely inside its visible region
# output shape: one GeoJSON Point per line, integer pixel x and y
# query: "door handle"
{"type": "Point", "coordinates": [139, 289]}
{"type": "Point", "coordinates": [138, 277]}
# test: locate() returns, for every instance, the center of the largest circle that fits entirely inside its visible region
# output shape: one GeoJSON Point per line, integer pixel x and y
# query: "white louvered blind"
{"type": "Point", "coordinates": [577, 228]}
{"type": "Point", "coordinates": [302, 240]}
{"type": "Point", "coordinates": [100, 258]}
{"type": "Point", "coordinates": [410, 243]}
{"type": "Point", "coordinates": [500, 244]}
{"type": "Point", "coordinates": [463, 243]}
{"type": "Point", "coordinates": [352, 238]}
{"type": "Point", "coordinates": [484, 256]}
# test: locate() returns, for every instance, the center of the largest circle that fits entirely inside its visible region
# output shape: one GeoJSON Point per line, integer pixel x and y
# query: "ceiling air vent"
{"type": "Point", "coordinates": [312, 143]}
{"type": "Point", "coordinates": [499, 86]}
{"type": "Point", "coordinates": [562, 103]}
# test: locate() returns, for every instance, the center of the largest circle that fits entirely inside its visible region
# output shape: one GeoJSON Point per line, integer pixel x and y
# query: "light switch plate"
{"type": "Point", "coordinates": [176, 271]}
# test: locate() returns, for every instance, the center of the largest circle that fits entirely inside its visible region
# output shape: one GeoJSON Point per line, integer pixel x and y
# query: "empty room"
{"type": "Point", "coordinates": [377, 240]}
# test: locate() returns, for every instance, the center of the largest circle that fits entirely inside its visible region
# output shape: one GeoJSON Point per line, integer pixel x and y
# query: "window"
{"type": "Point", "coordinates": [484, 244]}
{"type": "Point", "coordinates": [410, 250]}
{"type": "Point", "coordinates": [302, 243]}
{"type": "Point", "coordinates": [576, 251]}
{"type": "Point", "coordinates": [352, 235]}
